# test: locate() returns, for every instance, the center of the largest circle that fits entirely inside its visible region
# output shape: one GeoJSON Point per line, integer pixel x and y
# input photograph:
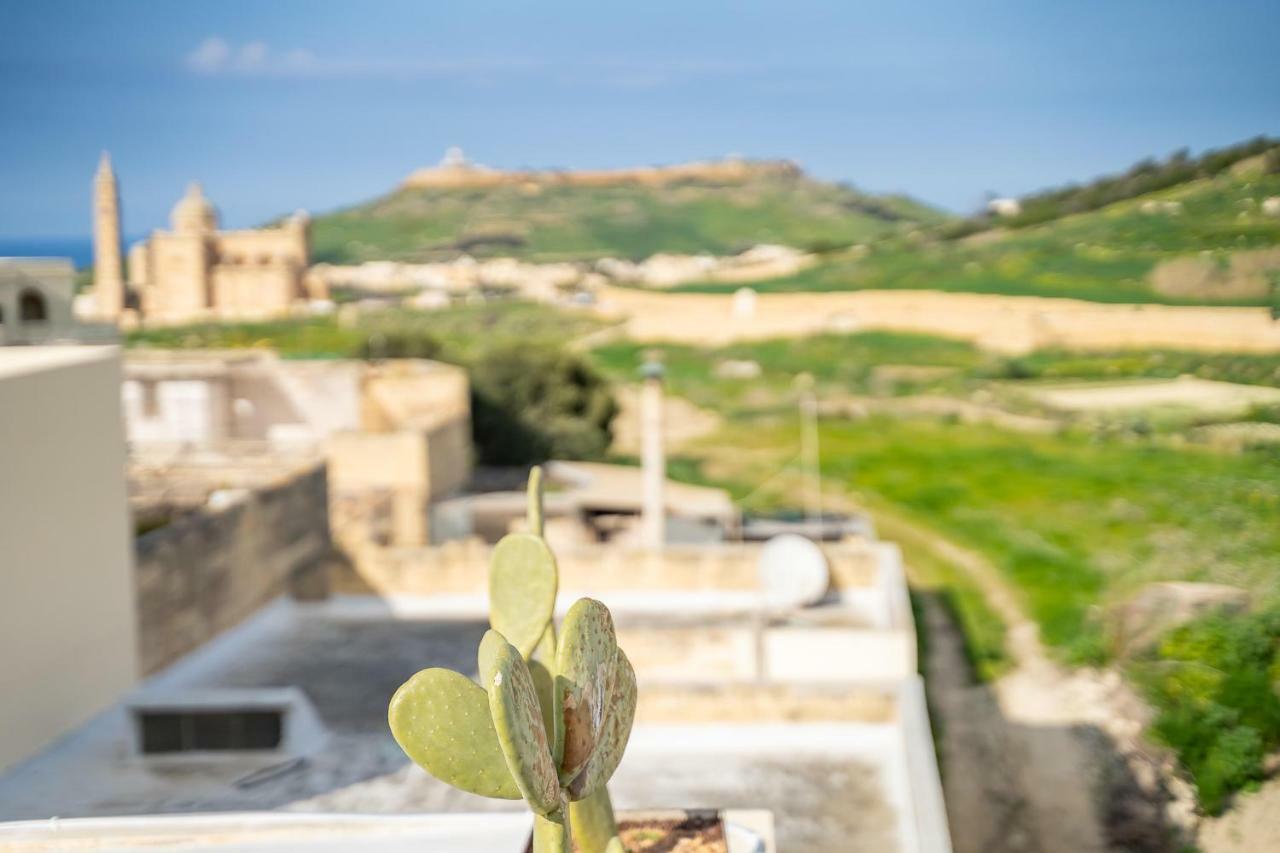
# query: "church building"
{"type": "Point", "coordinates": [194, 271]}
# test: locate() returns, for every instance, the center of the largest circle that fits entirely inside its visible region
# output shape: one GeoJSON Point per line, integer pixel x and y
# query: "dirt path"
{"type": "Point", "coordinates": [1044, 759]}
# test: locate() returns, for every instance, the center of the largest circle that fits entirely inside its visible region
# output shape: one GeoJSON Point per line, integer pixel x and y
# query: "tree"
{"type": "Point", "coordinates": [531, 403]}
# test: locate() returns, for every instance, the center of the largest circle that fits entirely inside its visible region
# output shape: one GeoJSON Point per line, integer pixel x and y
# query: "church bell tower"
{"type": "Point", "coordinates": [108, 271]}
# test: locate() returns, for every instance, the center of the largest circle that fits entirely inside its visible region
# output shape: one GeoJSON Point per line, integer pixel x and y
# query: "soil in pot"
{"type": "Point", "coordinates": [694, 832]}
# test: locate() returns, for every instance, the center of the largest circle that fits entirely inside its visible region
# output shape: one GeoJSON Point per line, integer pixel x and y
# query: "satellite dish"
{"type": "Point", "coordinates": [793, 572]}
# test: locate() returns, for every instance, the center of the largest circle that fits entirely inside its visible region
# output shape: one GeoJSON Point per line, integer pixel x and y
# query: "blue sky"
{"type": "Point", "coordinates": [305, 103]}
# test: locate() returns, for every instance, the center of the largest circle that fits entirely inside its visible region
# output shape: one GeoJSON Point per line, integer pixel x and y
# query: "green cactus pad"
{"type": "Point", "coordinates": [551, 834]}
{"type": "Point", "coordinates": [546, 648]}
{"type": "Point", "coordinates": [441, 720]}
{"type": "Point", "coordinates": [545, 683]}
{"type": "Point", "coordinates": [534, 499]}
{"type": "Point", "coordinates": [517, 718]}
{"type": "Point", "coordinates": [522, 589]}
{"type": "Point", "coordinates": [593, 822]}
{"type": "Point", "coordinates": [620, 713]}
{"type": "Point", "coordinates": [585, 664]}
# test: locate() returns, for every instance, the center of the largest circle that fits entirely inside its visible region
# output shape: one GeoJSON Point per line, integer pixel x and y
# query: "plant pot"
{"type": "Point", "coordinates": [695, 830]}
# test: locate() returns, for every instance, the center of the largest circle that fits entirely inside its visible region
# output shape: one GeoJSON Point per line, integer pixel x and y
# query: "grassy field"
{"type": "Point", "coordinates": [849, 364]}
{"type": "Point", "coordinates": [560, 222]}
{"type": "Point", "coordinates": [1075, 519]}
{"type": "Point", "coordinates": [843, 362]}
{"type": "Point", "coordinates": [1104, 256]}
{"type": "Point", "coordinates": [460, 332]}
{"type": "Point", "coordinates": [1074, 522]}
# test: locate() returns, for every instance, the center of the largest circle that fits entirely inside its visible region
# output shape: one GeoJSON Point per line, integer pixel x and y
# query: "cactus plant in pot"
{"type": "Point", "coordinates": [550, 719]}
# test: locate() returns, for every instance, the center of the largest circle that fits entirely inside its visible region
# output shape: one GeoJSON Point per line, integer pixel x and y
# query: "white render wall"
{"type": "Point", "coordinates": [67, 629]}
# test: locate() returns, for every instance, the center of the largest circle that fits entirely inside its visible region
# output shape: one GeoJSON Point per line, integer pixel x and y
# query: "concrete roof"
{"type": "Point", "coordinates": [18, 361]}
{"type": "Point", "coordinates": [833, 785]}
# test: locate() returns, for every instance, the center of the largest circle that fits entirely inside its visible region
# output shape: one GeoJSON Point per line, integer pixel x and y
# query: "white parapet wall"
{"type": "Point", "coordinates": [67, 623]}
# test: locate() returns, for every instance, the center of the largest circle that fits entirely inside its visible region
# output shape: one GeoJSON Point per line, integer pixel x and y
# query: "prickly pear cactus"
{"type": "Point", "coordinates": [611, 742]}
{"type": "Point", "coordinates": [522, 589]}
{"type": "Point", "coordinates": [585, 664]}
{"type": "Point", "coordinates": [441, 720]}
{"type": "Point", "coordinates": [551, 719]}
{"type": "Point", "coordinates": [517, 717]}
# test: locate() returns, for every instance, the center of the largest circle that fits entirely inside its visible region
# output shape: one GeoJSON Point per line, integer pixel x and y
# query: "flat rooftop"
{"type": "Point", "coordinates": [831, 760]}
{"type": "Point", "coordinates": [23, 360]}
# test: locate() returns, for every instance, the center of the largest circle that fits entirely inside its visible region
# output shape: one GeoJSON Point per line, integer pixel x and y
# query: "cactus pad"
{"type": "Point", "coordinates": [620, 713]}
{"type": "Point", "coordinates": [534, 499]}
{"type": "Point", "coordinates": [593, 822]}
{"type": "Point", "coordinates": [441, 720]}
{"type": "Point", "coordinates": [522, 589]}
{"type": "Point", "coordinates": [585, 671]}
{"type": "Point", "coordinates": [517, 719]}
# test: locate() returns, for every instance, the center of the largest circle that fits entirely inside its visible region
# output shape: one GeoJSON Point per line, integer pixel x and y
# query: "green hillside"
{"type": "Point", "coordinates": [569, 222]}
{"type": "Point", "coordinates": [1227, 249]}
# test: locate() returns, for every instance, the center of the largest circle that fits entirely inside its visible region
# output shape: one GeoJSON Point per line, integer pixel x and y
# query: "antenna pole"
{"type": "Point", "coordinates": [809, 451]}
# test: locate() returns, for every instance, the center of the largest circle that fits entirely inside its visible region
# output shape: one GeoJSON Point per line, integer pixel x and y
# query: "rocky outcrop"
{"type": "Point", "coordinates": [1239, 275]}
{"type": "Point", "coordinates": [1160, 607]}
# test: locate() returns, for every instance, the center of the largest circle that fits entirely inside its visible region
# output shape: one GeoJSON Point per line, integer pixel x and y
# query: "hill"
{"type": "Point", "coordinates": [1208, 239]}
{"type": "Point", "coordinates": [720, 208]}
{"type": "Point", "coordinates": [1146, 176]}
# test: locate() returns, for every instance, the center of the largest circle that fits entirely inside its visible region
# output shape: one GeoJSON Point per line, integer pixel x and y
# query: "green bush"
{"type": "Point", "coordinates": [400, 344]}
{"type": "Point", "coordinates": [532, 403]}
{"type": "Point", "coordinates": [1212, 683]}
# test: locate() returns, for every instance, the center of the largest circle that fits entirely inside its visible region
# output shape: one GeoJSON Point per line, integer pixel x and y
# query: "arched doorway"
{"type": "Point", "coordinates": [31, 307]}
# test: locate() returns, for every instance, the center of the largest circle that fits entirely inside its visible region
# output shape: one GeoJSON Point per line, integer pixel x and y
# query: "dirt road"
{"type": "Point", "coordinates": [1044, 759]}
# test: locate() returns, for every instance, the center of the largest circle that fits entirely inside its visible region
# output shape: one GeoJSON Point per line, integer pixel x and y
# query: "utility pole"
{"type": "Point", "coordinates": [653, 459]}
{"type": "Point", "coordinates": [809, 453]}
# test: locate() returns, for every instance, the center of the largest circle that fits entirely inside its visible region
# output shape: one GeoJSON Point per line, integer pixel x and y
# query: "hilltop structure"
{"type": "Point", "coordinates": [455, 171]}
{"type": "Point", "coordinates": [195, 271]}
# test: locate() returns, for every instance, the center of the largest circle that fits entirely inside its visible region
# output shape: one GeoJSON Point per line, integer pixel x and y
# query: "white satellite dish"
{"type": "Point", "coordinates": [793, 572]}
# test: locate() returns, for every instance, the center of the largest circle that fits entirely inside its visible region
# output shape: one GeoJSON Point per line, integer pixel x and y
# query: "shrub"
{"type": "Point", "coordinates": [1212, 682]}
{"type": "Point", "coordinates": [399, 344]}
{"type": "Point", "coordinates": [532, 403]}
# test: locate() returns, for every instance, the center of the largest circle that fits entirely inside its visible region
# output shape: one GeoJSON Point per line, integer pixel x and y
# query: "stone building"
{"type": "Point", "coordinates": [35, 300]}
{"type": "Point", "coordinates": [396, 436]}
{"type": "Point", "coordinates": [195, 271]}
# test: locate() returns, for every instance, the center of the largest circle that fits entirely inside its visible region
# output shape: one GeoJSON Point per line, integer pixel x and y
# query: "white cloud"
{"type": "Point", "coordinates": [252, 57]}
{"type": "Point", "coordinates": [210, 56]}
{"type": "Point", "coordinates": [215, 56]}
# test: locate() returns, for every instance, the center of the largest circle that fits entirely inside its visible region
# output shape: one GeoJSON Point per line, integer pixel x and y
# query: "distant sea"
{"type": "Point", "coordinates": [78, 249]}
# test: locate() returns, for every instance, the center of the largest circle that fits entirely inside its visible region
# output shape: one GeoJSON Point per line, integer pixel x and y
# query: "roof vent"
{"type": "Point", "coordinates": [278, 721]}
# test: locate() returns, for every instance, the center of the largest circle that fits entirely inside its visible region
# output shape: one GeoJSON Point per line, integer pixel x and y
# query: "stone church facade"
{"type": "Point", "coordinates": [195, 271]}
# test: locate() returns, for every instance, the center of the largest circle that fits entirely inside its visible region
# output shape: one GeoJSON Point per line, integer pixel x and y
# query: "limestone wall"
{"type": "Point", "coordinates": [177, 282]}
{"type": "Point", "coordinates": [729, 171]}
{"type": "Point", "coordinates": [1000, 323]}
{"type": "Point", "coordinates": [207, 571]}
{"type": "Point", "coordinates": [246, 291]}
{"type": "Point", "coordinates": [262, 246]}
